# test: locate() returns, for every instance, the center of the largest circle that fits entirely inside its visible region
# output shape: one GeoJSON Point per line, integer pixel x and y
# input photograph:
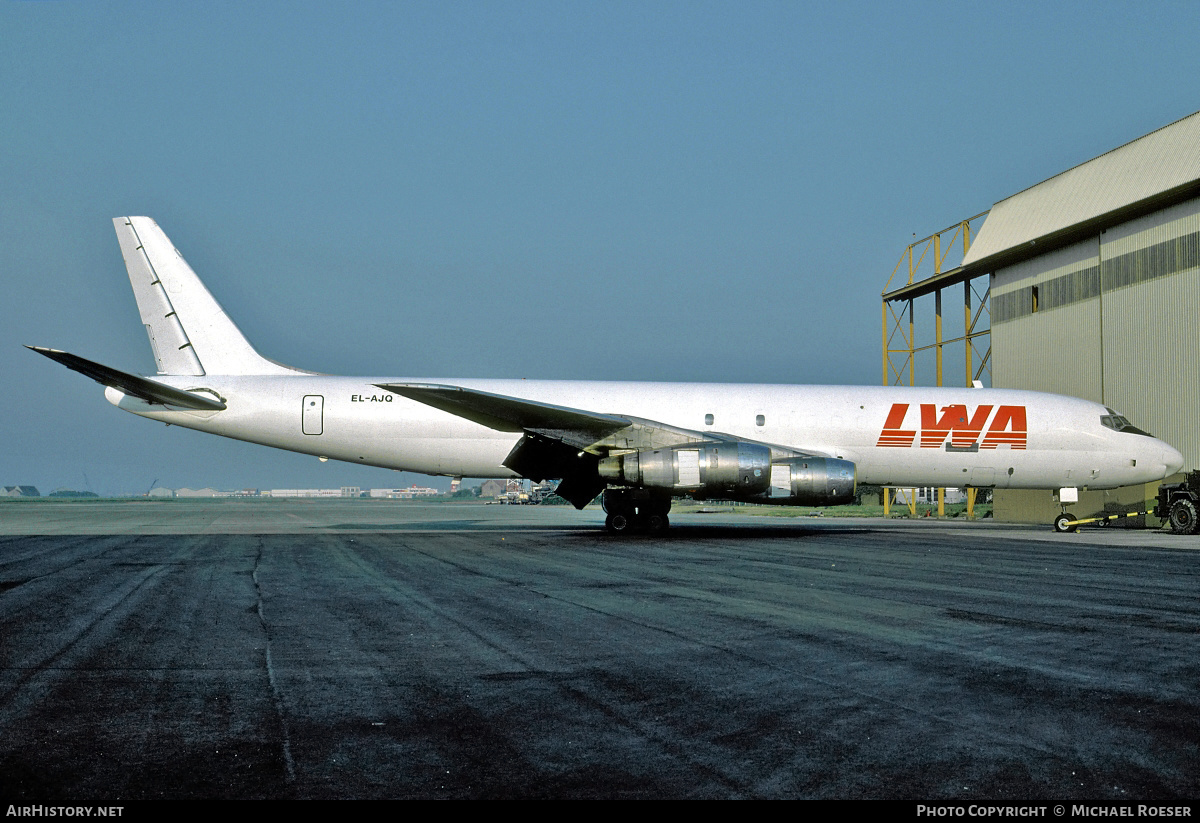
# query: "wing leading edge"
{"type": "Point", "coordinates": [577, 428]}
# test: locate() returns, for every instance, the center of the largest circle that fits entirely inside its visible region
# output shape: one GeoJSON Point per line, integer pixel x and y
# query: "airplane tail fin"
{"type": "Point", "coordinates": [189, 331]}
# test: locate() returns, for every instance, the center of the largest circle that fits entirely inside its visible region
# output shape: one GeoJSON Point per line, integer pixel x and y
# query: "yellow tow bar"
{"type": "Point", "coordinates": [1073, 523]}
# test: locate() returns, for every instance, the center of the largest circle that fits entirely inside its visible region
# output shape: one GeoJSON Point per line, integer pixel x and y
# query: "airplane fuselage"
{"type": "Point", "coordinates": [895, 436]}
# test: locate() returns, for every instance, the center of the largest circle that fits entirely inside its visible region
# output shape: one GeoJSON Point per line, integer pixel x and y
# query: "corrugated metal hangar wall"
{"type": "Point", "coordinates": [1113, 319]}
{"type": "Point", "coordinates": [1109, 311]}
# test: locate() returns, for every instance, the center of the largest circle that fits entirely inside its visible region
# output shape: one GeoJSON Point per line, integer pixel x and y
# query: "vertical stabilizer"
{"type": "Point", "coordinates": [189, 331]}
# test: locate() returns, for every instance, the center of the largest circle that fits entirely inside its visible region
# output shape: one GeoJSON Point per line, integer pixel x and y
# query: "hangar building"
{"type": "Point", "coordinates": [1095, 292]}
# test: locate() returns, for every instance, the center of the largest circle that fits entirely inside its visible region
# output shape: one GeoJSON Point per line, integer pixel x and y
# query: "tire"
{"type": "Point", "coordinates": [1183, 517]}
{"type": "Point", "coordinates": [618, 523]}
{"type": "Point", "coordinates": [1063, 524]}
{"type": "Point", "coordinates": [657, 523]}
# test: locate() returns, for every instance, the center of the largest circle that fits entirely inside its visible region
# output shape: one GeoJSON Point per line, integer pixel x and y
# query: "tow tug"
{"type": "Point", "coordinates": [1178, 504]}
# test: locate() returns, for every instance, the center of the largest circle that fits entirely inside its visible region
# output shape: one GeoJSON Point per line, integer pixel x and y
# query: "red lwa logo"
{"type": "Point", "coordinates": [1008, 427]}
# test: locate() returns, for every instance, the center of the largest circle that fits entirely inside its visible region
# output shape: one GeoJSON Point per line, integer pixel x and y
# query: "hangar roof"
{"type": "Point", "coordinates": [1141, 176]}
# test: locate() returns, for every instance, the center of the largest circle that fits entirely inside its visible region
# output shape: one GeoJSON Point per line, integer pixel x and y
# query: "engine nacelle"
{"type": "Point", "coordinates": [812, 481]}
{"type": "Point", "coordinates": [734, 471]}
{"type": "Point", "coordinates": [712, 469]}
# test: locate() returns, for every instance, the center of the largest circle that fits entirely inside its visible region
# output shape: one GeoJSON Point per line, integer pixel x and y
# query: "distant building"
{"type": "Point", "coordinates": [206, 492]}
{"type": "Point", "coordinates": [493, 488]}
{"type": "Point", "coordinates": [20, 491]}
{"type": "Point", "coordinates": [344, 491]}
{"type": "Point", "coordinates": [928, 495]}
{"type": "Point", "coordinates": [159, 491]}
{"type": "Point", "coordinates": [403, 494]}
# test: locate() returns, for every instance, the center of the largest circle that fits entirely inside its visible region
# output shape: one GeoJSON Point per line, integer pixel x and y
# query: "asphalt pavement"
{"type": "Point", "coordinates": [358, 649]}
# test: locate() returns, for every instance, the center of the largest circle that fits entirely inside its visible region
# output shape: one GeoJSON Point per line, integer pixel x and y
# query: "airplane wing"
{"type": "Point", "coordinates": [131, 384]}
{"type": "Point", "coordinates": [594, 432]}
{"type": "Point", "coordinates": [561, 442]}
{"type": "Point", "coordinates": [577, 428]}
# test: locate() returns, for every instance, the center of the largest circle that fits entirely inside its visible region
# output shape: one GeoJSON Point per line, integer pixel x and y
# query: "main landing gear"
{"type": "Point", "coordinates": [635, 510]}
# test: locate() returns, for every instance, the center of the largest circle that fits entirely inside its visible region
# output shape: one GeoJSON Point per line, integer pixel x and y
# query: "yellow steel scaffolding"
{"type": "Point", "coordinates": [924, 262]}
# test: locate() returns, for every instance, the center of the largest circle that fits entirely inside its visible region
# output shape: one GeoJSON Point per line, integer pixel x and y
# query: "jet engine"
{"type": "Point", "coordinates": [734, 470]}
{"type": "Point", "coordinates": [812, 481]}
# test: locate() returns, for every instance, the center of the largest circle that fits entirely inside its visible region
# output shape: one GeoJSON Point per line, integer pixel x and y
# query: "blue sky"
{"type": "Point", "coordinates": [648, 191]}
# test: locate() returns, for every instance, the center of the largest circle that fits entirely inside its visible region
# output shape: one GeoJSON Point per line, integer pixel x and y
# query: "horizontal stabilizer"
{"type": "Point", "coordinates": [131, 384]}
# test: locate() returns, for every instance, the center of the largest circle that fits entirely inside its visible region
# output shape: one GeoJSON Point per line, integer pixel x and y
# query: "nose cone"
{"type": "Point", "coordinates": [1172, 460]}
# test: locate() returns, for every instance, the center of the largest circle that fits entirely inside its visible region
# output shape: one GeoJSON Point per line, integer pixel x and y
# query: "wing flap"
{"type": "Point", "coordinates": [131, 384]}
{"type": "Point", "coordinates": [540, 458]}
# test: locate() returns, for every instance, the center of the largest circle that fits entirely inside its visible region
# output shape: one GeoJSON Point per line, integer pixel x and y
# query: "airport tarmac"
{"type": "Point", "coordinates": [338, 649]}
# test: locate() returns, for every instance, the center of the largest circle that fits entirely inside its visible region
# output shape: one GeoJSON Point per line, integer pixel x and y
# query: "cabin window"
{"type": "Point", "coordinates": [760, 420]}
{"type": "Point", "coordinates": [708, 419]}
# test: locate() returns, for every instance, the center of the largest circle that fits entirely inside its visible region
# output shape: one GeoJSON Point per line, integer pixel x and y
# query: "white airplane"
{"type": "Point", "coordinates": [640, 444]}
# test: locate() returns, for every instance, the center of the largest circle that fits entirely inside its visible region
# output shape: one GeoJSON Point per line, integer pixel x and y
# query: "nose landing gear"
{"type": "Point", "coordinates": [1065, 523]}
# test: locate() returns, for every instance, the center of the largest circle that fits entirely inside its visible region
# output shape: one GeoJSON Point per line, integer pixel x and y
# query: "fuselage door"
{"type": "Point", "coordinates": [312, 417]}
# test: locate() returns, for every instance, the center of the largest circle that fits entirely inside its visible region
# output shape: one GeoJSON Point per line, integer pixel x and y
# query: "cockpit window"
{"type": "Point", "coordinates": [1118, 422]}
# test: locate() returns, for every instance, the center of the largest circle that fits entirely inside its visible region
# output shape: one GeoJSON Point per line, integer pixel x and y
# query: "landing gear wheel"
{"type": "Point", "coordinates": [635, 510]}
{"type": "Point", "coordinates": [1064, 524]}
{"type": "Point", "coordinates": [618, 523]}
{"type": "Point", "coordinates": [657, 523]}
{"type": "Point", "coordinates": [1183, 517]}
